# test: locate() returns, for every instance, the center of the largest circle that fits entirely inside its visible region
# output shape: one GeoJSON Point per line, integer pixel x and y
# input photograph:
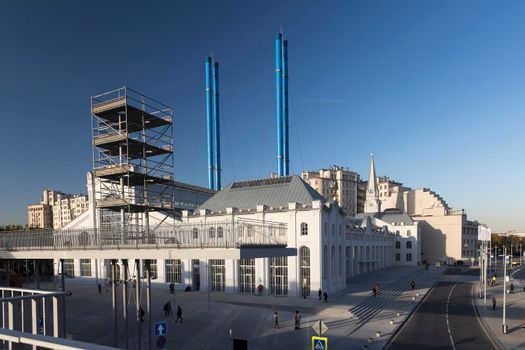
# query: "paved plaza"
{"type": "Point", "coordinates": [352, 316]}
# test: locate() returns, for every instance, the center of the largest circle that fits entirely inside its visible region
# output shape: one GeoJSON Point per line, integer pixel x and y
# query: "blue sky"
{"type": "Point", "coordinates": [435, 89]}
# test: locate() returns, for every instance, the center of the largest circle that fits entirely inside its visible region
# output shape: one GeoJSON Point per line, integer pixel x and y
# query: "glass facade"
{"type": "Point", "coordinates": [279, 275]}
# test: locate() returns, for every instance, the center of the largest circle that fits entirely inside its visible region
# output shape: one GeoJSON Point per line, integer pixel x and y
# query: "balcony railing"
{"type": "Point", "coordinates": [226, 234]}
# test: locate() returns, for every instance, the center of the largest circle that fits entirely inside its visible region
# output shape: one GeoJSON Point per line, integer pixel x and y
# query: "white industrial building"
{"type": "Point", "coordinates": [330, 247]}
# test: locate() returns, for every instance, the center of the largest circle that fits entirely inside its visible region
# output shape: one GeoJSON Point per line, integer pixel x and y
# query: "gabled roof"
{"type": "Point", "coordinates": [273, 192]}
{"type": "Point", "coordinates": [390, 216]}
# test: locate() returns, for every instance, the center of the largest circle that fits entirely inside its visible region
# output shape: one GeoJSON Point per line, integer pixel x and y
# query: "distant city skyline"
{"type": "Point", "coordinates": [434, 89]}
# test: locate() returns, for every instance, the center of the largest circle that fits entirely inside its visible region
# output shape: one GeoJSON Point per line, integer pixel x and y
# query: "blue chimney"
{"type": "Point", "coordinates": [286, 139]}
{"type": "Point", "coordinates": [209, 121]}
{"type": "Point", "coordinates": [216, 126]}
{"type": "Point", "coordinates": [279, 101]}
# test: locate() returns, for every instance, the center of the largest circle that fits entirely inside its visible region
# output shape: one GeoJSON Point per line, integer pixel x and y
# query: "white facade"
{"type": "Point", "coordinates": [330, 249]}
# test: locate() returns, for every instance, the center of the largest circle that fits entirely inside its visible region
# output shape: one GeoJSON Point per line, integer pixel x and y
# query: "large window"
{"type": "Point", "coordinates": [409, 257]}
{"type": "Point", "coordinates": [333, 262]}
{"type": "Point", "coordinates": [304, 229]}
{"type": "Point", "coordinates": [211, 232]}
{"type": "Point", "coordinates": [325, 261]}
{"type": "Point", "coordinates": [304, 256]}
{"type": "Point", "coordinates": [220, 232]}
{"type": "Point", "coordinates": [85, 267]}
{"type": "Point", "coordinates": [279, 275]}
{"type": "Point", "coordinates": [69, 268]}
{"type": "Point", "coordinates": [173, 271]}
{"type": "Point", "coordinates": [195, 233]}
{"type": "Point", "coordinates": [398, 257]}
{"type": "Point", "coordinates": [398, 244]}
{"type": "Point", "coordinates": [247, 276]}
{"type": "Point", "coordinates": [409, 245]}
{"type": "Point", "coordinates": [217, 271]}
{"type": "Point", "coordinates": [152, 268]}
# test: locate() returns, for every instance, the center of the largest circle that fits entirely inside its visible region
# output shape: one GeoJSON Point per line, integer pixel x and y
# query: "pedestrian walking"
{"type": "Point", "coordinates": [413, 284]}
{"type": "Point", "coordinates": [99, 287]}
{"type": "Point", "coordinates": [179, 314]}
{"type": "Point", "coordinates": [378, 289]}
{"type": "Point", "coordinates": [166, 310]}
{"type": "Point", "coordinates": [493, 303]}
{"type": "Point", "coordinates": [275, 320]}
{"type": "Point", "coordinates": [320, 293]}
{"type": "Point", "coordinates": [170, 310]}
{"type": "Point", "coordinates": [325, 296]}
{"type": "Point", "coordinates": [172, 288]}
{"type": "Point", "coordinates": [297, 319]}
{"type": "Point", "coordinates": [374, 291]}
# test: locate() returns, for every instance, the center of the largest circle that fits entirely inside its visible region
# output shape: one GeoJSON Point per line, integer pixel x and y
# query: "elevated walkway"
{"type": "Point", "coordinates": [217, 240]}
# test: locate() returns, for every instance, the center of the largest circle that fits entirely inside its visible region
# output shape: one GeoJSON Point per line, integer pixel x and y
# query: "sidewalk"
{"type": "Point", "coordinates": [206, 325]}
{"type": "Point", "coordinates": [492, 319]}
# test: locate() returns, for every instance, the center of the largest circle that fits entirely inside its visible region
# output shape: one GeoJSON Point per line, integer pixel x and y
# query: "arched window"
{"type": "Point", "coordinates": [211, 232]}
{"type": "Point", "coordinates": [304, 229]}
{"type": "Point", "coordinates": [409, 233]}
{"type": "Point", "coordinates": [333, 262]}
{"type": "Point", "coordinates": [409, 245]}
{"type": "Point", "coordinates": [398, 244]}
{"type": "Point", "coordinates": [220, 232]}
{"type": "Point", "coordinates": [195, 233]}
{"type": "Point", "coordinates": [304, 256]}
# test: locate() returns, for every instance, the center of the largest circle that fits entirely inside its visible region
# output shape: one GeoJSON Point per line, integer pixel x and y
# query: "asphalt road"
{"type": "Point", "coordinates": [443, 323]}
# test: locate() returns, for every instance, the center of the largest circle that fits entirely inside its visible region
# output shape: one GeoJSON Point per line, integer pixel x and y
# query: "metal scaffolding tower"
{"type": "Point", "coordinates": [133, 166]}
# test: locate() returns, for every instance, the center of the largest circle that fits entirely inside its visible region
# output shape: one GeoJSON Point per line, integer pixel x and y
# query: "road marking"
{"type": "Point", "coordinates": [446, 316]}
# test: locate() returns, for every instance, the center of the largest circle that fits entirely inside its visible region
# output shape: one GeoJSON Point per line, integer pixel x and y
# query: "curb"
{"type": "Point", "coordinates": [488, 331]}
{"type": "Point", "coordinates": [409, 316]}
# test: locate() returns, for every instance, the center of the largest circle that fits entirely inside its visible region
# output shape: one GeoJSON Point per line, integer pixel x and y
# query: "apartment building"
{"type": "Point", "coordinates": [336, 183]}
{"type": "Point", "coordinates": [56, 209]}
{"type": "Point", "coordinates": [67, 208]}
{"type": "Point", "coordinates": [40, 216]}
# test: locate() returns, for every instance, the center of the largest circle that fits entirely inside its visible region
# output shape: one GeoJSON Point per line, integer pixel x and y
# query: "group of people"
{"type": "Point", "coordinates": [168, 311]}
{"type": "Point", "coordinates": [297, 320]}
{"type": "Point", "coordinates": [324, 295]}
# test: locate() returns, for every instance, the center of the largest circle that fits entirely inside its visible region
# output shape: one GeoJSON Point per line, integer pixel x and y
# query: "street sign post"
{"type": "Point", "coordinates": [320, 328]}
{"type": "Point", "coordinates": [319, 343]}
{"type": "Point", "coordinates": [161, 342]}
{"type": "Point", "coordinates": [160, 328]}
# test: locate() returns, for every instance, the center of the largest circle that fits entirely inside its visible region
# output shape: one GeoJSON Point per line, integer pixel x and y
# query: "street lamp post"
{"type": "Point", "coordinates": [496, 258]}
{"type": "Point", "coordinates": [504, 326]}
{"type": "Point", "coordinates": [521, 253]}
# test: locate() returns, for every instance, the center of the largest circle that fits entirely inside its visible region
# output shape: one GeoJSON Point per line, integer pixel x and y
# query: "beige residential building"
{"type": "Point", "coordinates": [56, 209]}
{"type": "Point", "coordinates": [67, 208]}
{"type": "Point", "coordinates": [337, 184]}
{"type": "Point", "coordinates": [40, 216]}
{"type": "Point", "coordinates": [447, 234]}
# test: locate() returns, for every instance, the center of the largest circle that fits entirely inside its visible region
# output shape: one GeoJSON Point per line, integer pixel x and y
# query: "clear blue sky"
{"type": "Point", "coordinates": [436, 89]}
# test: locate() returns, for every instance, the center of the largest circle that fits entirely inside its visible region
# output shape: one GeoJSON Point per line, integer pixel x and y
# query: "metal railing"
{"type": "Point", "coordinates": [31, 311]}
{"type": "Point", "coordinates": [225, 234]}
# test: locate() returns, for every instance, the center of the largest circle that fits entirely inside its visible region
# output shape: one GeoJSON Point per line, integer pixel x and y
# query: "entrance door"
{"type": "Point", "coordinates": [195, 275]}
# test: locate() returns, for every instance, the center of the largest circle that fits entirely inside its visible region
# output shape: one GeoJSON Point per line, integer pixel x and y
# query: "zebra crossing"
{"type": "Point", "coordinates": [373, 305]}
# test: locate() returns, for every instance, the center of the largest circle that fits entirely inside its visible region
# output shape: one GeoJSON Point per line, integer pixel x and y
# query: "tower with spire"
{"type": "Point", "coordinates": [372, 202]}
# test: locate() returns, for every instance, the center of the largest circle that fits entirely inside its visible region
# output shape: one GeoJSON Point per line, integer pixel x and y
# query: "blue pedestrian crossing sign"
{"type": "Point", "coordinates": [319, 343]}
{"type": "Point", "coordinates": [160, 328]}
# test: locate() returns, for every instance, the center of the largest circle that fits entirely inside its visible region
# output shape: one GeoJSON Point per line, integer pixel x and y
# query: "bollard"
{"type": "Point", "coordinates": [398, 314]}
{"type": "Point", "coordinates": [378, 334]}
{"type": "Point", "coordinates": [370, 340]}
{"type": "Point", "coordinates": [391, 322]}
{"type": "Point", "coordinates": [413, 298]}
{"type": "Point", "coordinates": [417, 294]}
